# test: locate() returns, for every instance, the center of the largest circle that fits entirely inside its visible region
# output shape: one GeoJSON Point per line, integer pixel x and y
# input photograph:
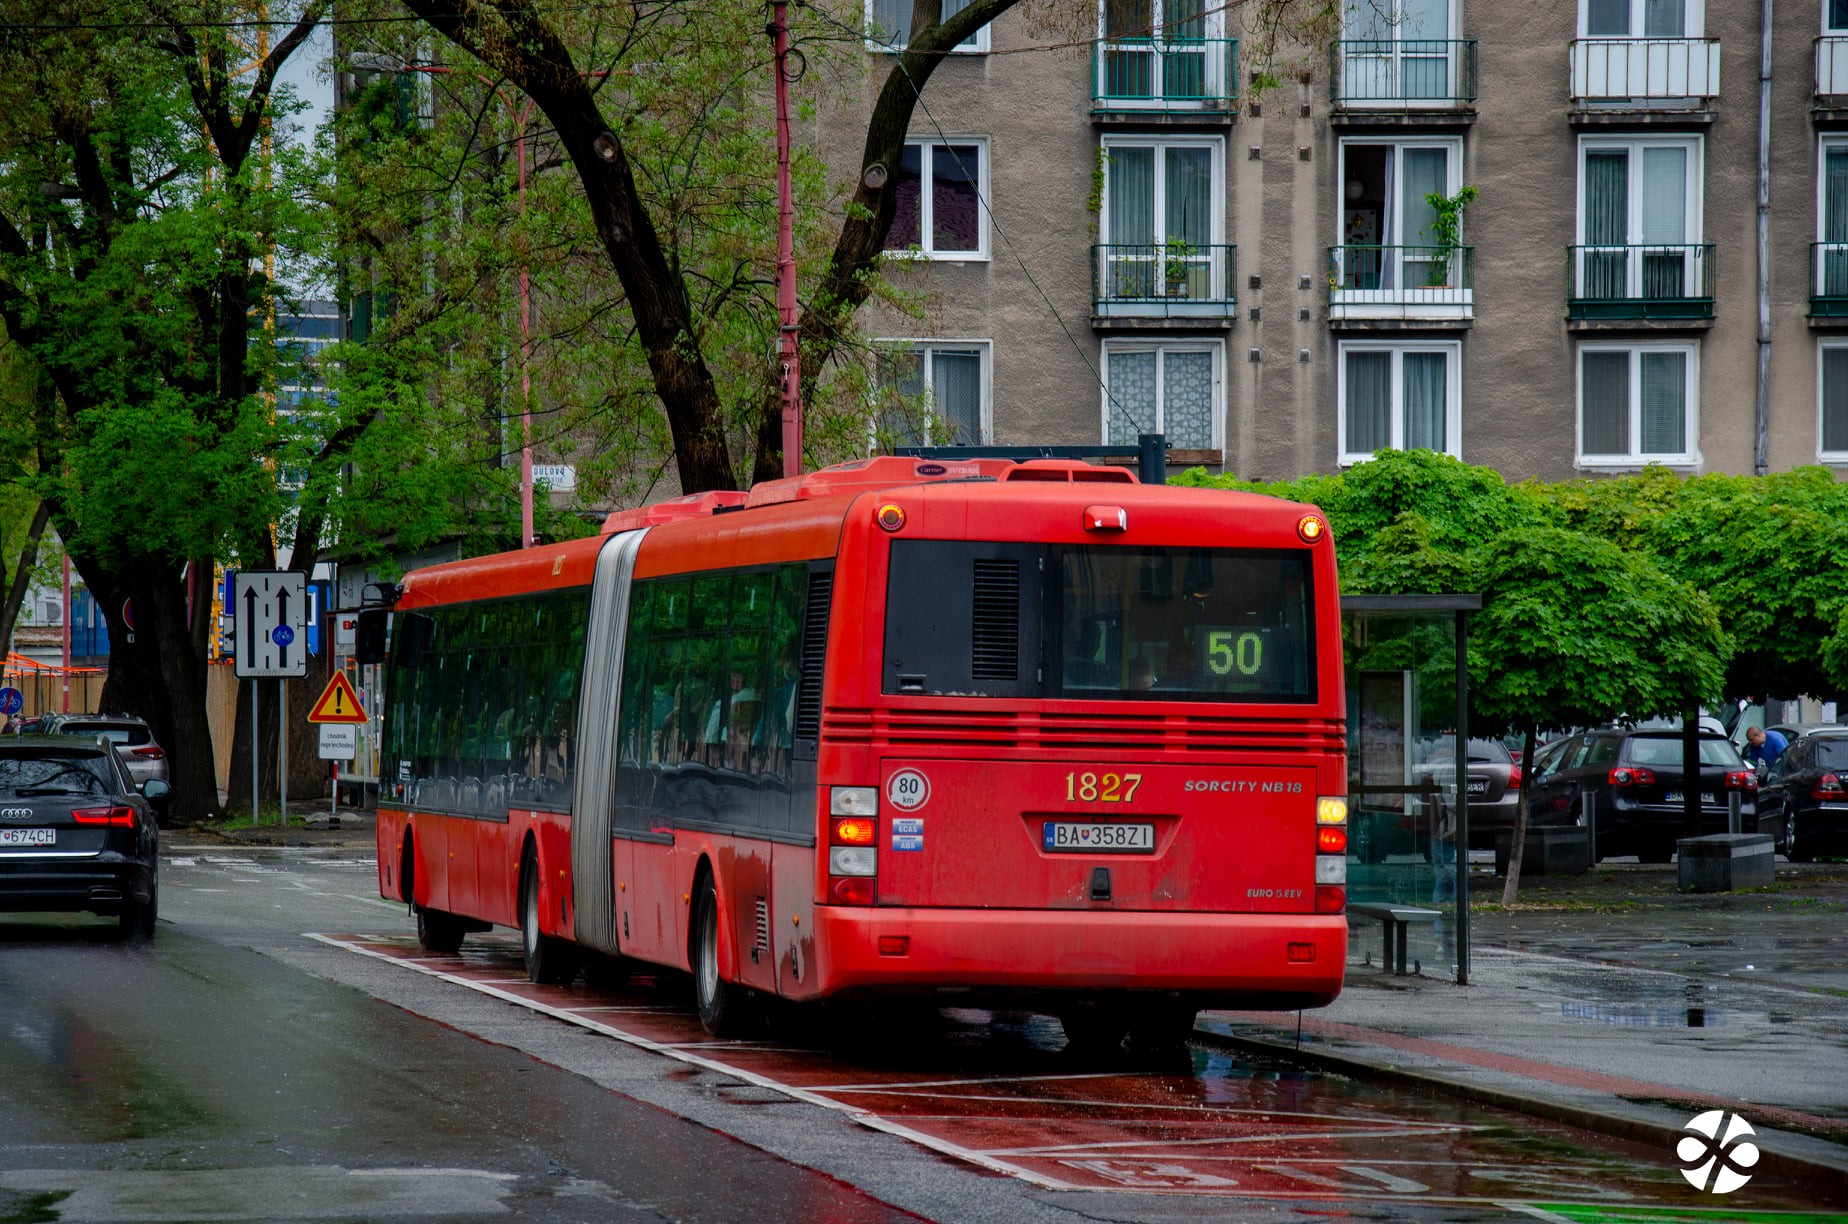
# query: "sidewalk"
{"type": "Point", "coordinates": [1615, 1003]}
{"type": "Point", "coordinates": [343, 828]}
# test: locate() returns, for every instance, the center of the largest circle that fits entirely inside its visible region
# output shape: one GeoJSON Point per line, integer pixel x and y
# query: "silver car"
{"type": "Point", "coordinates": [132, 737]}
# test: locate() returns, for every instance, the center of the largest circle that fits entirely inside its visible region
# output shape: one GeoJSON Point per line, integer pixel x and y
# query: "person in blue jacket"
{"type": "Point", "coordinates": [1764, 747]}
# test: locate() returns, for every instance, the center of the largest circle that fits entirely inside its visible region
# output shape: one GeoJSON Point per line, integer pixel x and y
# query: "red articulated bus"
{"type": "Point", "coordinates": [984, 733]}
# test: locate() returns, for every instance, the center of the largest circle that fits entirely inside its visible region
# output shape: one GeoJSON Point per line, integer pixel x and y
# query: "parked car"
{"type": "Point", "coordinates": [1494, 784]}
{"type": "Point", "coordinates": [1634, 783]}
{"type": "Point", "coordinates": [1803, 799]}
{"type": "Point", "coordinates": [75, 834]}
{"type": "Point", "coordinates": [133, 738]}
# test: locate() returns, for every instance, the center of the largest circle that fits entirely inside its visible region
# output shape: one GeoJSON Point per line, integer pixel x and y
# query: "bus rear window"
{"type": "Point", "coordinates": [1086, 622]}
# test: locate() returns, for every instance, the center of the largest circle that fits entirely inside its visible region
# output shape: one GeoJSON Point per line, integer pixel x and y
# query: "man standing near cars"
{"type": "Point", "coordinates": [1764, 747]}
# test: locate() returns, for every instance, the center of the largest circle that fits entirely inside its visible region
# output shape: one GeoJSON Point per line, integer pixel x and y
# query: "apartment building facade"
{"type": "Point", "coordinates": [1116, 233]}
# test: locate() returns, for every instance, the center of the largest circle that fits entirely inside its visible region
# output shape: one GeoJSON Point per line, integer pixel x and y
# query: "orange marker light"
{"type": "Point", "coordinates": [891, 517]}
{"type": "Point", "coordinates": [1311, 528]}
{"type": "Point", "coordinates": [854, 831]}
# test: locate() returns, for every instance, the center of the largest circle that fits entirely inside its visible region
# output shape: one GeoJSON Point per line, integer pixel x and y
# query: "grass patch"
{"type": "Point", "coordinates": [270, 818]}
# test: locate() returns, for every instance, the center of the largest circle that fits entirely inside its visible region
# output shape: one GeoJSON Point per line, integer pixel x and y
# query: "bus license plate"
{"type": "Point", "coordinates": [1676, 797]}
{"type": "Point", "coordinates": [28, 837]}
{"type": "Point", "coordinates": [1113, 838]}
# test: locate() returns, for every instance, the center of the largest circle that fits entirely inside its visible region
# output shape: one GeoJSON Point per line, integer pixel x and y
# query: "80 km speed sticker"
{"type": "Point", "coordinates": [907, 790]}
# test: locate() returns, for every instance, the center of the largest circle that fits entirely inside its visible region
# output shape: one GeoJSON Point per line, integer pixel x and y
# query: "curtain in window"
{"type": "Point", "coordinates": [1184, 59]}
{"type": "Point", "coordinates": [1189, 175]}
{"type": "Point", "coordinates": [956, 397]}
{"type": "Point", "coordinates": [892, 21]}
{"type": "Point", "coordinates": [1129, 62]}
{"type": "Point", "coordinates": [1605, 404]}
{"type": "Point", "coordinates": [1665, 222]}
{"type": "Point", "coordinates": [956, 222]}
{"type": "Point", "coordinates": [1665, 418]}
{"type": "Point", "coordinates": [1425, 173]}
{"type": "Point", "coordinates": [1367, 58]}
{"type": "Point", "coordinates": [1424, 56]}
{"type": "Point", "coordinates": [1134, 266]}
{"type": "Point", "coordinates": [1423, 399]}
{"type": "Point", "coordinates": [1664, 19]}
{"type": "Point", "coordinates": [901, 412]}
{"type": "Point", "coordinates": [1835, 219]}
{"type": "Point", "coordinates": [1835, 400]}
{"type": "Point", "coordinates": [1607, 18]}
{"type": "Point", "coordinates": [1187, 399]}
{"type": "Point", "coordinates": [908, 186]}
{"type": "Point", "coordinates": [1607, 224]}
{"type": "Point", "coordinates": [1369, 402]}
{"type": "Point", "coordinates": [1129, 409]}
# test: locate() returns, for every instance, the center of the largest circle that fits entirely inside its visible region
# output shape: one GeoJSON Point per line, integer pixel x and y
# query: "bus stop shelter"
{"type": "Point", "coordinates": [1408, 798]}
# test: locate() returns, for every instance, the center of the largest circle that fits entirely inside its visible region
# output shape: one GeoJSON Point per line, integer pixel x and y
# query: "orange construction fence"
{"type": "Point", "coordinates": [47, 688]}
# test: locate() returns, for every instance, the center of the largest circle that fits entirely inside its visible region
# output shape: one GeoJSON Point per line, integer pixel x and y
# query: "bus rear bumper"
{"type": "Point", "coordinates": [1244, 960]}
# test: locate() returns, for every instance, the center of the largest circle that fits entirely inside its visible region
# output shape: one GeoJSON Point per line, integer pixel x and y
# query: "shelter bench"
{"type": "Point", "coordinates": [1395, 921]}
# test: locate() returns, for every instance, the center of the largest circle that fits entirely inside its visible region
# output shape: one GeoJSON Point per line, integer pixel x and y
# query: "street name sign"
{"type": "Point", "coordinates": [271, 611]}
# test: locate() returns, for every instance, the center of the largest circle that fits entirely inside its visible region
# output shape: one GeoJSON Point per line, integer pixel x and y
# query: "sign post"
{"type": "Point", "coordinates": [270, 608]}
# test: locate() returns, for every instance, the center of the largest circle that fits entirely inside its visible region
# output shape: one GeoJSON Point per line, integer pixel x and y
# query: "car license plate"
{"type": "Point", "coordinates": [1113, 838]}
{"type": "Point", "coordinates": [1677, 797]}
{"type": "Point", "coordinates": [1478, 786]}
{"type": "Point", "coordinates": [28, 837]}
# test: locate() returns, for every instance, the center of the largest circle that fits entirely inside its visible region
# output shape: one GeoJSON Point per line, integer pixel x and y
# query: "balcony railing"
{"type": "Point", "coordinates": [1157, 280]}
{"type": "Point", "coordinates": [1166, 74]}
{"type": "Point", "coordinates": [1402, 73]}
{"type": "Point", "coordinates": [1831, 66]}
{"type": "Point", "coordinates": [1829, 286]}
{"type": "Point", "coordinates": [1401, 282]}
{"type": "Point", "coordinates": [1645, 69]}
{"type": "Point", "coordinates": [1640, 282]}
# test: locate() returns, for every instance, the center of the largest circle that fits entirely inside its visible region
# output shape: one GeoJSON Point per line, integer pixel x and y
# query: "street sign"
{"type": "Point", "coordinates": [339, 742]}
{"type": "Point", "coordinates": [271, 607]}
{"type": "Point", "coordinates": [338, 703]}
{"type": "Point", "coordinates": [12, 701]}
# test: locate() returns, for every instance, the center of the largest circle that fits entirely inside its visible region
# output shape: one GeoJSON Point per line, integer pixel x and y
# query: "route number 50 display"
{"type": "Point", "coordinates": [1231, 652]}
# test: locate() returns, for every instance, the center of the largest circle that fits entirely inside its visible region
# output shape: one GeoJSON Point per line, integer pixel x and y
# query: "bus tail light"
{"type": "Point", "coordinates": [1331, 869]}
{"type": "Point", "coordinates": [1331, 839]}
{"type": "Point", "coordinates": [121, 815]}
{"type": "Point", "coordinates": [1331, 813]}
{"type": "Point", "coordinates": [1330, 898]}
{"type": "Point", "coordinates": [853, 845]}
{"type": "Point", "coordinates": [1300, 953]}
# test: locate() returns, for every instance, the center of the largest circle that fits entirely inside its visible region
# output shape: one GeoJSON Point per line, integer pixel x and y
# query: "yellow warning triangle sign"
{"type": "Point", "coordinates": [338, 703]}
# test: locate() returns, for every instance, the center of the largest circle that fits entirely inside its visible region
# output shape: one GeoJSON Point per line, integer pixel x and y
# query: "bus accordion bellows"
{"type": "Point", "coordinates": [979, 733]}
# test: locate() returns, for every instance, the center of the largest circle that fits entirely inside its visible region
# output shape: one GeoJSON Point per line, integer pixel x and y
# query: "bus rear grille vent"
{"type": "Point", "coordinates": [763, 925]}
{"type": "Point", "coordinates": [814, 649]}
{"type": "Point", "coordinates": [996, 653]}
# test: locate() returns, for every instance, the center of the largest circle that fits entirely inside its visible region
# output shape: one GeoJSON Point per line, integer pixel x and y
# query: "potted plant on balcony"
{"type": "Point", "coordinates": [1177, 268]}
{"type": "Point", "coordinates": [1446, 232]}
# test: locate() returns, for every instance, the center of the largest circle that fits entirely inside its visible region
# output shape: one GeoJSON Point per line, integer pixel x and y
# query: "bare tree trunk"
{"type": "Point", "coordinates": [1513, 884]}
{"type": "Point", "coordinates": [22, 573]}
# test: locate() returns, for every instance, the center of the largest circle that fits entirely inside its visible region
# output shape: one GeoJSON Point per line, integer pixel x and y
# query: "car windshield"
{"type": "Point", "coordinates": [1660, 750]}
{"type": "Point", "coordinates": [23, 777]}
{"type": "Point", "coordinates": [1832, 753]}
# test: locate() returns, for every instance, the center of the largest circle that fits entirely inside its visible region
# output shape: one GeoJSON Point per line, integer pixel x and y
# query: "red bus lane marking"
{"type": "Point", "coordinates": [1146, 1131]}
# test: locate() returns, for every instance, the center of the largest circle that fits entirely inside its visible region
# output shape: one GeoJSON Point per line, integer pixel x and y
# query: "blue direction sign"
{"type": "Point", "coordinates": [12, 701]}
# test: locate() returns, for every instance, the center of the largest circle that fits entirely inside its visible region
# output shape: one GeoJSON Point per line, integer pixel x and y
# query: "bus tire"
{"type": "Point", "coordinates": [549, 961]}
{"type": "Point", "coordinates": [722, 1006]}
{"type": "Point", "coordinates": [438, 930]}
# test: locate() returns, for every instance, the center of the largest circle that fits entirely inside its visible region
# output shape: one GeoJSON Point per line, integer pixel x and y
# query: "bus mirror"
{"type": "Point", "coordinates": [369, 636]}
{"type": "Point", "coordinates": [415, 631]}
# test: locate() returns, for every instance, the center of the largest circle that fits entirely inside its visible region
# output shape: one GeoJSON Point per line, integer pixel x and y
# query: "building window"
{"type": "Point", "coordinates": [1832, 443]}
{"type": "Point", "coordinates": [940, 189]}
{"type": "Point", "coordinates": [932, 393]}
{"type": "Point", "coordinates": [1163, 218]}
{"type": "Point", "coordinates": [1400, 397]}
{"type": "Point", "coordinates": [1171, 389]}
{"type": "Point", "coordinates": [1642, 18]}
{"type": "Point", "coordinates": [1639, 219]}
{"type": "Point", "coordinates": [1832, 219]}
{"type": "Point", "coordinates": [1161, 50]}
{"type": "Point", "coordinates": [1638, 403]}
{"type": "Point", "coordinates": [1396, 49]}
{"type": "Point", "coordinates": [888, 25]}
{"type": "Point", "coordinates": [1386, 240]}
{"type": "Point", "coordinates": [1835, 17]}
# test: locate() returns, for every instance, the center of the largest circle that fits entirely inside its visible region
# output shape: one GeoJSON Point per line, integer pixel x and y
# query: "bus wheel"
{"type": "Point", "coordinates": [1094, 1028]}
{"type": "Point", "coordinates": [721, 1005]}
{"type": "Point", "coordinates": [438, 930]}
{"type": "Point", "coordinates": [549, 961]}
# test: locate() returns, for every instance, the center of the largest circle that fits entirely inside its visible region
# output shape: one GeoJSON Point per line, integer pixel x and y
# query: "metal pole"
{"type": "Point", "coordinates": [788, 320]}
{"type": "Point", "coordinates": [255, 688]}
{"type": "Point", "coordinates": [333, 800]}
{"type": "Point", "coordinates": [526, 357]}
{"type": "Point", "coordinates": [67, 633]}
{"type": "Point", "coordinates": [1462, 759]}
{"type": "Point", "coordinates": [1761, 445]}
{"type": "Point", "coordinates": [282, 747]}
{"type": "Point", "coordinates": [1152, 458]}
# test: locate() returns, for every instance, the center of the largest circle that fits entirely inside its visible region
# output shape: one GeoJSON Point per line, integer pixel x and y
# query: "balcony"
{"type": "Point", "coordinates": [1640, 282]}
{"type": "Point", "coordinates": [1402, 74]}
{"type": "Point", "coordinates": [1829, 284]}
{"type": "Point", "coordinates": [1175, 280]}
{"type": "Point", "coordinates": [1138, 77]}
{"type": "Point", "coordinates": [1426, 283]}
{"type": "Point", "coordinates": [1646, 72]}
{"type": "Point", "coordinates": [1831, 67]}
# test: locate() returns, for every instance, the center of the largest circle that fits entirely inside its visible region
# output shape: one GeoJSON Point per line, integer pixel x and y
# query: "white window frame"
{"type": "Point", "coordinates": [1828, 143]}
{"type": "Point", "coordinates": [1693, 220]}
{"type": "Point", "coordinates": [1136, 345]}
{"type": "Point", "coordinates": [975, 44]}
{"type": "Point", "coordinates": [1216, 192]}
{"type": "Point", "coordinates": [1453, 393]}
{"type": "Point", "coordinates": [1693, 24]}
{"type": "Point", "coordinates": [924, 347]}
{"type": "Point", "coordinates": [1835, 458]}
{"type": "Point", "coordinates": [1689, 458]}
{"type": "Point", "coordinates": [1453, 174]}
{"type": "Point", "coordinates": [927, 204]}
{"type": "Point", "coordinates": [1160, 46]}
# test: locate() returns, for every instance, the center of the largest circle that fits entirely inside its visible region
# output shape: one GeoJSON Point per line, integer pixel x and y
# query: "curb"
{"type": "Point", "coordinates": [1774, 1153]}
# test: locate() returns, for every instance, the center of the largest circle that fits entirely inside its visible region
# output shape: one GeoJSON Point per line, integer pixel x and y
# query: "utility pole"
{"type": "Point", "coordinates": [787, 316]}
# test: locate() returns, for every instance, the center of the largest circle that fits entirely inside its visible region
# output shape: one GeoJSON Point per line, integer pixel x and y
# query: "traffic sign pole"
{"type": "Point", "coordinates": [255, 735]}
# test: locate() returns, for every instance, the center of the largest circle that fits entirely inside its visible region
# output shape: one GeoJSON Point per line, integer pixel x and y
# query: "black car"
{"type": "Point", "coordinates": [1631, 785]}
{"type": "Point", "coordinates": [75, 835]}
{"type": "Point", "coordinates": [1803, 799]}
